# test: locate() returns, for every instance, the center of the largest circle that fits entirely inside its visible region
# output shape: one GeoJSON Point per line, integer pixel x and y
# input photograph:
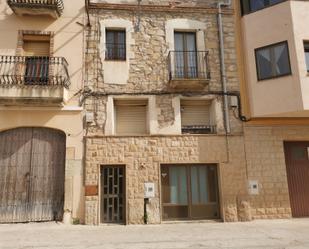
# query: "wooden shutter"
{"type": "Point", "coordinates": [36, 48]}
{"type": "Point", "coordinates": [195, 112]}
{"type": "Point", "coordinates": [131, 117]}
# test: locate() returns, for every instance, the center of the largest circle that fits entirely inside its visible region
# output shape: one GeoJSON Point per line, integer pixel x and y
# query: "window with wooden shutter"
{"type": "Point", "coordinates": [34, 48]}
{"type": "Point", "coordinates": [195, 117]}
{"type": "Point", "coordinates": [37, 51]}
{"type": "Point", "coordinates": [131, 117]}
{"type": "Point", "coordinates": [36, 45]}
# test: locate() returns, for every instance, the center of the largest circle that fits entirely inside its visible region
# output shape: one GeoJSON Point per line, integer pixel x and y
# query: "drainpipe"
{"type": "Point", "coordinates": [87, 3]}
{"type": "Point", "coordinates": [222, 64]}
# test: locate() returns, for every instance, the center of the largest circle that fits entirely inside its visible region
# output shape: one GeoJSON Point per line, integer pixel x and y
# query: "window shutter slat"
{"type": "Point", "coordinates": [195, 113]}
{"type": "Point", "coordinates": [33, 48]}
{"type": "Point", "coordinates": [131, 119]}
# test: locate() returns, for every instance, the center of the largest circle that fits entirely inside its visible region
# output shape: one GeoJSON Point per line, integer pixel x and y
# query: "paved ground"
{"type": "Point", "coordinates": [253, 235]}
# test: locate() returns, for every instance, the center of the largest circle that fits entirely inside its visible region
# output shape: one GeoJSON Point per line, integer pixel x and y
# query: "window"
{"type": "Point", "coordinates": [189, 191]}
{"type": "Point", "coordinates": [306, 46]}
{"type": "Point", "coordinates": [195, 117]}
{"type": "Point", "coordinates": [131, 117]}
{"type": "Point", "coordinates": [36, 48]}
{"type": "Point", "coordinates": [115, 45]}
{"type": "Point", "coordinates": [185, 55]}
{"type": "Point", "coordinates": [249, 6]}
{"type": "Point", "coordinates": [273, 61]}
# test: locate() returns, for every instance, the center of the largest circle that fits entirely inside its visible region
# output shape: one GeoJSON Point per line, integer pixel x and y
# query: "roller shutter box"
{"type": "Point", "coordinates": [131, 117]}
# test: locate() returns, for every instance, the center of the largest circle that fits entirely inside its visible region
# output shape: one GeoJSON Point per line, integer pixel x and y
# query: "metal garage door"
{"type": "Point", "coordinates": [32, 164]}
{"type": "Point", "coordinates": [297, 163]}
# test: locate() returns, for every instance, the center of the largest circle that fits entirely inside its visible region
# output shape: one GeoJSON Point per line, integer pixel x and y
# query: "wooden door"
{"type": "Point", "coordinates": [15, 159]}
{"type": "Point", "coordinates": [297, 164]}
{"type": "Point", "coordinates": [112, 194]}
{"type": "Point", "coordinates": [47, 175]}
{"type": "Point", "coordinates": [32, 184]}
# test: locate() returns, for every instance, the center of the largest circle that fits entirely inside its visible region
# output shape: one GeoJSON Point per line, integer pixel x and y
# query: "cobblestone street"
{"type": "Point", "coordinates": [277, 234]}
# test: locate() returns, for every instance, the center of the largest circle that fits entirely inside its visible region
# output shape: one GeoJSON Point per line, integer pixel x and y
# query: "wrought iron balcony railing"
{"type": "Point", "coordinates": [199, 129]}
{"type": "Point", "coordinates": [189, 65]}
{"type": "Point", "coordinates": [52, 5]}
{"type": "Point", "coordinates": [33, 70]}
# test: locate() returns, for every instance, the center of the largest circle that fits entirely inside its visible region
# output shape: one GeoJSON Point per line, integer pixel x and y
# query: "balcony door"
{"type": "Point", "coordinates": [36, 62]}
{"type": "Point", "coordinates": [185, 55]}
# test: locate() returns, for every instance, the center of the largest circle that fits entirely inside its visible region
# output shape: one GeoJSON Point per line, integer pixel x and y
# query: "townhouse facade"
{"type": "Point", "coordinates": [149, 111]}
{"type": "Point", "coordinates": [41, 120]}
{"type": "Point", "coordinates": [164, 140]}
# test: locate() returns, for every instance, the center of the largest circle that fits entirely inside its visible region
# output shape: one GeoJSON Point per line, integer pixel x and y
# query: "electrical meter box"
{"type": "Point", "coordinates": [149, 190]}
{"type": "Point", "coordinates": [253, 187]}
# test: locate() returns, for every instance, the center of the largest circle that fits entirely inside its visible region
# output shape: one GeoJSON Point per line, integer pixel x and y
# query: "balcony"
{"type": "Point", "coordinates": [198, 129]}
{"type": "Point", "coordinates": [30, 80]}
{"type": "Point", "coordinates": [52, 8]}
{"type": "Point", "coordinates": [188, 70]}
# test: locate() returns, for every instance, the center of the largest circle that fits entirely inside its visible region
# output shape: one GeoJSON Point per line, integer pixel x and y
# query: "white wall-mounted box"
{"type": "Point", "coordinates": [253, 187]}
{"type": "Point", "coordinates": [149, 190]}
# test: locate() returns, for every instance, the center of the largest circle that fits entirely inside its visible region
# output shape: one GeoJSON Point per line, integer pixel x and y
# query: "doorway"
{"type": "Point", "coordinates": [297, 165]}
{"type": "Point", "coordinates": [37, 51]}
{"type": "Point", "coordinates": [185, 55]}
{"type": "Point", "coordinates": [32, 165]}
{"type": "Point", "coordinates": [112, 194]}
{"type": "Point", "coordinates": [190, 192]}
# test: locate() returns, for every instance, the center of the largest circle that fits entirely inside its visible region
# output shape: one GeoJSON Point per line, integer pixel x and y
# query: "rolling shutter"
{"type": "Point", "coordinates": [36, 48]}
{"type": "Point", "coordinates": [195, 112]}
{"type": "Point", "coordinates": [131, 117]}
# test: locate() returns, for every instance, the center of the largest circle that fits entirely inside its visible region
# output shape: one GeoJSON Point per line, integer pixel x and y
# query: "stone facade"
{"type": "Point", "coordinates": [266, 163]}
{"type": "Point", "coordinates": [142, 157]}
{"type": "Point", "coordinates": [149, 75]}
{"type": "Point", "coordinates": [247, 153]}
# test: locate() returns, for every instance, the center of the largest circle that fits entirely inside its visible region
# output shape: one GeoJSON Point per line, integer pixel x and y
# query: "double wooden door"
{"type": "Point", "coordinates": [32, 163]}
{"type": "Point", "coordinates": [297, 163]}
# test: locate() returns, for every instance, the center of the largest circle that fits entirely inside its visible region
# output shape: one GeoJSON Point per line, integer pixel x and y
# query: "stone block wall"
{"type": "Point", "coordinates": [266, 163]}
{"type": "Point", "coordinates": [148, 74]}
{"type": "Point", "coordinates": [142, 157]}
{"type": "Point", "coordinates": [148, 70]}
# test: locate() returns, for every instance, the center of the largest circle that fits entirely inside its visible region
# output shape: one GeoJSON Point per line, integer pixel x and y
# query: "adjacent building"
{"type": "Point", "coordinates": [274, 60]}
{"type": "Point", "coordinates": [41, 121]}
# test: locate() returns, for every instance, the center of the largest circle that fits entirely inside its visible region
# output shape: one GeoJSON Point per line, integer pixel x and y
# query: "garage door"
{"type": "Point", "coordinates": [297, 163]}
{"type": "Point", "coordinates": [32, 162]}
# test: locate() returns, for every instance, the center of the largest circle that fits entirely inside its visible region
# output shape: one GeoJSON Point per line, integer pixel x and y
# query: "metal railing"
{"type": "Point", "coordinates": [199, 129]}
{"type": "Point", "coordinates": [50, 4]}
{"type": "Point", "coordinates": [115, 51]}
{"type": "Point", "coordinates": [188, 65]}
{"type": "Point", "coordinates": [34, 70]}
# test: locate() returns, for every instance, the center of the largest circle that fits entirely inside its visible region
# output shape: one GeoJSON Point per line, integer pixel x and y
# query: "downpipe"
{"type": "Point", "coordinates": [222, 65]}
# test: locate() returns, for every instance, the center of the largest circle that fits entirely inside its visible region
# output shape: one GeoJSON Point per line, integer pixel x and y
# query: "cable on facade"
{"type": "Point", "coordinates": [89, 93]}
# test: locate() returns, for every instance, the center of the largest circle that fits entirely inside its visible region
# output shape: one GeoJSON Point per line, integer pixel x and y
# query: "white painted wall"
{"type": "Point", "coordinates": [286, 96]}
{"type": "Point", "coordinates": [116, 72]}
